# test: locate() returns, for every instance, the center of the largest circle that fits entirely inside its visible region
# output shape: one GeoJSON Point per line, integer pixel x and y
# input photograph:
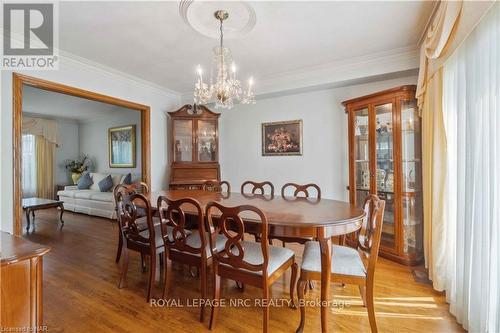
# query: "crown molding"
{"type": "Point", "coordinates": [161, 89]}
{"type": "Point", "coordinates": [67, 56]}
{"type": "Point", "coordinates": [334, 74]}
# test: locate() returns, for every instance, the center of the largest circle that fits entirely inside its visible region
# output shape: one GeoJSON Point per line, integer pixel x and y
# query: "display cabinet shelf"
{"type": "Point", "coordinates": [194, 147]}
{"type": "Point", "coordinates": [384, 159]}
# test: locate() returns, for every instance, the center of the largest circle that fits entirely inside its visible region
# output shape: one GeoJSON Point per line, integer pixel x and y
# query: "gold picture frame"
{"type": "Point", "coordinates": [282, 138]}
{"type": "Point", "coordinates": [122, 146]}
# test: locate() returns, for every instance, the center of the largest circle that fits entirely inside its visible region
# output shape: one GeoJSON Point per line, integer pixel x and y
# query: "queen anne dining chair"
{"type": "Point", "coordinates": [256, 187]}
{"type": "Point", "coordinates": [298, 191]}
{"type": "Point", "coordinates": [148, 242]}
{"type": "Point", "coordinates": [216, 186]}
{"type": "Point", "coordinates": [349, 266]}
{"type": "Point", "coordinates": [118, 192]}
{"type": "Point", "coordinates": [189, 247]}
{"type": "Point", "coordinates": [256, 264]}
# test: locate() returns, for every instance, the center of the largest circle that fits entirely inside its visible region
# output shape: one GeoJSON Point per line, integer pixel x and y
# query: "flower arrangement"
{"type": "Point", "coordinates": [79, 165]}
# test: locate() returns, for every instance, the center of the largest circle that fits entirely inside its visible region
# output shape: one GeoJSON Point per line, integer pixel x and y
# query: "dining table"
{"type": "Point", "coordinates": [288, 217]}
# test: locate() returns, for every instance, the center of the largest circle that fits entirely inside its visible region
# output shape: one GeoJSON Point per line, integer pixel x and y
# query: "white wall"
{"type": "Point", "coordinates": [68, 148]}
{"type": "Point", "coordinates": [325, 146]}
{"type": "Point", "coordinates": [98, 79]}
{"type": "Point", "coordinates": [94, 140]}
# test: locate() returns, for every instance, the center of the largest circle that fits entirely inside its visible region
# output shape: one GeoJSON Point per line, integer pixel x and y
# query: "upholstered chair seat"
{"type": "Point", "coordinates": [345, 260]}
{"type": "Point", "coordinates": [158, 234]}
{"type": "Point", "coordinates": [193, 240]}
{"type": "Point", "coordinates": [278, 256]}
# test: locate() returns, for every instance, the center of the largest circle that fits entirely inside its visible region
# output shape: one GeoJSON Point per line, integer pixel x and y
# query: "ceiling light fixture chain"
{"type": "Point", "coordinates": [226, 89]}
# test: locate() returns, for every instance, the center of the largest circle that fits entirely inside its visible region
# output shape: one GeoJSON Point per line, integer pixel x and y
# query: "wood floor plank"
{"type": "Point", "coordinates": [81, 293]}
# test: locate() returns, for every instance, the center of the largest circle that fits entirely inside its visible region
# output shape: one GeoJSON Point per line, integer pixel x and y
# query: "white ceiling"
{"type": "Point", "coordinates": [149, 40]}
{"type": "Point", "coordinates": [48, 104]}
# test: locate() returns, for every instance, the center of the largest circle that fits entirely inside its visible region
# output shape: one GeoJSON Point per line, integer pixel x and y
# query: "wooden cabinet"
{"type": "Point", "coordinates": [194, 147]}
{"type": "Point", "coordinates": [385, 159]}
{"type": "Point", "coordinates": [21, 284]}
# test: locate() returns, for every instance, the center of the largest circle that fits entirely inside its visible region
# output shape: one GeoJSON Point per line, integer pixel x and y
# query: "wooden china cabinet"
{"type": "Point", "coordinates": [194, 147]}
{"type": "Point", "coordinates": [385, 159]}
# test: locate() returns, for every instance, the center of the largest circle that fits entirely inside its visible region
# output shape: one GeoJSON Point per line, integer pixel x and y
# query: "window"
{"type": "Point", "coordinates": [29, 166]}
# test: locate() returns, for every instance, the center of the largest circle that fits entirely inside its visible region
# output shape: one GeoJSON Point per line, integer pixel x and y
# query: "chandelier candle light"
{"type": "Point", "coordinates": [226, 89]}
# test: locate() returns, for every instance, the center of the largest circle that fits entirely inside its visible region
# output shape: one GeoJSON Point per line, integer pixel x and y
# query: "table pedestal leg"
{"type": "Point", "coordinates": [326, 251]}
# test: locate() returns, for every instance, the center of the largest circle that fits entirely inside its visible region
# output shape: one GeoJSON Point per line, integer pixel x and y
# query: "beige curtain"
{"type": "Point", "coordinates": [44, 167]}
{"type": "Point", "coordinates": [434, 179]}
{"type": "Point", "coordinates": [429, 95]}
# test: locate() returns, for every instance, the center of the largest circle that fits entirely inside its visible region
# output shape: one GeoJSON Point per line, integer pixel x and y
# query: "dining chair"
{"type": "Point", "coordinates": [258, 187]}
{"type": "Point", "coordinates": [148, 242]}
{"type": "Point", "coordinates": [349, 266]}
{"type": "Point", "coordinates": [298, 191]}
{"type": "Point", "coordinates": [123, 189]}
{"type": "Point", "coordinates": [216, 186]}
{"type": "Point", "coordinates": [190, 247]}
{"type": "Point", "coordinates": [256, 264]}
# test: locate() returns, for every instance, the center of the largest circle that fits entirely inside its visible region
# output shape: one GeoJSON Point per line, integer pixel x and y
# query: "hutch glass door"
{"type": "Point", "coordinates": [206, 141]}
{"type": "Point", "coordinates": [384, 173]}
{"type": "Point", "coordinates": [411, 185]}
{"type": "Point", "coordinates": [362, 155]}
{"type": "Point", "coordinates": [183, 140]}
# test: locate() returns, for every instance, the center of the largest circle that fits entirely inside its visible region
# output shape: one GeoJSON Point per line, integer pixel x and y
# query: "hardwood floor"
{"type": "Point", "coordinates": [81, 293]}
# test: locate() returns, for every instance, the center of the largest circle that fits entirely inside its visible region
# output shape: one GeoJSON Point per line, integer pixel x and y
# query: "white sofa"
{"type": "Point", "coordinates": [92, 201]}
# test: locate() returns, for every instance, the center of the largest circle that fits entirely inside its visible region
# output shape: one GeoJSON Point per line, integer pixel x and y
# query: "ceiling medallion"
{"type": "Point", "coordinates": [226, 89]}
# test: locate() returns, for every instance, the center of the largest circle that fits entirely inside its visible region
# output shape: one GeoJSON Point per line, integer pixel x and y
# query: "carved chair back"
{"type": "Point", "coordinates": [230, 224]}
{"type": "Point", "coordinates": [173, 215]}
{"type": "Point", "coordinates": [261, 187]}
{"type": "Point", "coordinates": [216, 186]}
{"type": "Point", "coordinates": [371, 230]}
{"type": "Point", "coordinates": [304, 189]}
{"type": "Point", "coordinates": [127, 215]}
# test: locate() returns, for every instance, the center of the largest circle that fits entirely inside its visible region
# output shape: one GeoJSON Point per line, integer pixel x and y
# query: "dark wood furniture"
{"type": "Point", "coordinates": [21, 283]}
{"type": "Point", "coordinates": [30, 205]}
{"type": "Point", "coordinates": [298, 190]}
{"type": "Point", "coordinates": [118, 192]}
{"type": "Point", "coordinates": [194, 147]}
{"type": "Point", "coordinates": [185, 246]}
{"type": "Point", "coordinates": [348, 265]}
{"type": "Point", "coordinates": [147, 242]}
{"type": "Point", "coordinates": [385, 159]}
{"type": "Point", "coordinates": [256, 264]}
{"type": "Point", "coordinates": [302, 217]}
{"type": "Point", "coordinates": [216, 186]}
{"type": "Point", "coordinates": [258, 188]}
{"type": "Point", "coordinates": [57, 188]}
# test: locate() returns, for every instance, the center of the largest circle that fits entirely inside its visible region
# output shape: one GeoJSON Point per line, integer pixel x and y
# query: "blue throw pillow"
{"type": "Point", "coordinates": [84, 182]}
{"type": "Point", "coordinates": [106, 184]}
{"type": "Point", "coordinates": [128, 179]}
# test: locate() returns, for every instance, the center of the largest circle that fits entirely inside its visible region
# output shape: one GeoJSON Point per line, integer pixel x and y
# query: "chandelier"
{"type": "Point", "coordinates": [226, 90]}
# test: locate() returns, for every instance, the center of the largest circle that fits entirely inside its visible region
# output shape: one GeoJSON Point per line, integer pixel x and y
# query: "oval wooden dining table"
{"type": "Point", "coordinates": [290, 217]}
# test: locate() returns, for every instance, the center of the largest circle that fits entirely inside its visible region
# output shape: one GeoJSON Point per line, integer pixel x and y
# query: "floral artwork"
{"type": "Point", "coordinates": [122, 147]}
{"type": "Point", "coordinates": [282, 138]}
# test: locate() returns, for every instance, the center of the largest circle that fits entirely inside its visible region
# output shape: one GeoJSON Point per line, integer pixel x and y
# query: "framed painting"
{"type": "Point", "coordinates": [121, 141]}
{"type": "Point", "coordinates": [282, 138]}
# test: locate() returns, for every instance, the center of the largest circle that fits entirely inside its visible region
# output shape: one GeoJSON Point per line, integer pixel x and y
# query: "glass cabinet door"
{"type": "Point", "coordinates": [361, 155]}
{"type": "Point", "coordinates": [183, 140]}
{"type": "Point", "coordinates": [411, 177]}
{"type": "Point", "coordinates": [206, 141]}
{"type": "Point", "coordinates": [384, 174]}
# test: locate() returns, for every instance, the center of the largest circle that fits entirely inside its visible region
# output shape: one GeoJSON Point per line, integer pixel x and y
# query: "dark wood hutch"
{"type": "Point", "coordinates": [194, 147]}
{"type": "Point", "coordinates": [385, 159]}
